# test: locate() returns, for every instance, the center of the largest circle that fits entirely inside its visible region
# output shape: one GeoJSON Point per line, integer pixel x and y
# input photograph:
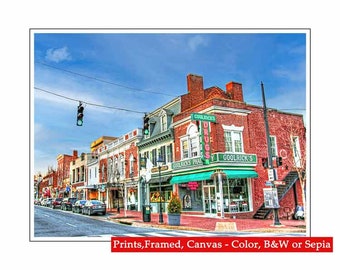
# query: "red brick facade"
{"type": "Point", "coordinates": [229, 109]}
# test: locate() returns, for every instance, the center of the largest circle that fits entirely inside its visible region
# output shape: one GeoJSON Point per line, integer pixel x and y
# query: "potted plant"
{"type": "Point", "coordinates": [174, 210]}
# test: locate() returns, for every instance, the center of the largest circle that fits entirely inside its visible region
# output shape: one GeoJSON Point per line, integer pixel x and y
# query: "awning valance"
{"type": "Point", "coordinates": [178, 179]}
{"type": "Point", "coordinates": [240, 173]}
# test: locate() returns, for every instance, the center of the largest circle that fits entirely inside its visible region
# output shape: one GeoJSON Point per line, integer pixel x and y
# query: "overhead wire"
{"type": "Point", "coordinates": [88, 103]}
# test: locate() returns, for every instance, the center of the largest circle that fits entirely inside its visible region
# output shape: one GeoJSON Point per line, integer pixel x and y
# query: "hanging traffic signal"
{"type": "Point", "coordinates": [146, 130]}
{"type": "Point", "coordinates": [279, 161]}
{"type": "Point", "coordinates": [265, 163]}
{"type": "Point", "coordinates": [80, 114]}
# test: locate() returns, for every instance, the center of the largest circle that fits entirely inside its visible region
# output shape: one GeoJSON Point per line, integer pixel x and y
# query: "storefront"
{"type": "Point", "coordinates": [215, 190]}
{"type": "Point", "coordinates": [131, 195]}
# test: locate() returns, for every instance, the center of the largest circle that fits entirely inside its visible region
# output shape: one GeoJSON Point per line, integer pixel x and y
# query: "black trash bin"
{"type": "Point", "coordinates": [146, 213]}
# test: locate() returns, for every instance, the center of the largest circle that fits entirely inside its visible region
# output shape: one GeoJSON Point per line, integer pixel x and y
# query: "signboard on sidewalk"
{"type": "Point", "coordinates": [270, 198]}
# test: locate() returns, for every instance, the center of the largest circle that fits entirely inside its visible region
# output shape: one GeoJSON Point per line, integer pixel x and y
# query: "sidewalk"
{"type": "Point", "coordinates": [202, 223]}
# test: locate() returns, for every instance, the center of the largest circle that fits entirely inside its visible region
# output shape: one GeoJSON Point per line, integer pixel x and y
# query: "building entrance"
{"type": "Point", "coordinates": [209, 193]}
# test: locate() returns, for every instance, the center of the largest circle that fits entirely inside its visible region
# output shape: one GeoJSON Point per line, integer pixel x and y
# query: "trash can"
{"type": "Point", "coordinates": [146, 213]}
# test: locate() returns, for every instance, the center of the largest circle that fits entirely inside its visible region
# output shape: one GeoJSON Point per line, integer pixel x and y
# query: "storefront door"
{"type": "Point", "coordinates": [209, 194]}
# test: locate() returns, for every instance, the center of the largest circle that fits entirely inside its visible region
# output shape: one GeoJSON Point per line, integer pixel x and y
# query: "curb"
{"type": "Point", "coordinates": [161, 226]}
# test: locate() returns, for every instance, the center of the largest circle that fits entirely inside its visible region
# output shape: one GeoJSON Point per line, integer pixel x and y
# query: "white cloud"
{"type": "Point", "coordinates": [196, 41]}
{"type": "Point", "coordinates": [58, 55]}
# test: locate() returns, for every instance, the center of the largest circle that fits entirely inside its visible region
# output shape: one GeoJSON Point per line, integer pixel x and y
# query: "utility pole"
{"type": "Point", "coordinates": [270, 158]}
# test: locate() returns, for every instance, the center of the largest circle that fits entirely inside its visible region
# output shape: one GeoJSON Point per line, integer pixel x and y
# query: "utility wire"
{"type": "Point", "coordinates": [104, 81]}
{"type": "Point", "coordinates": [88, 103]}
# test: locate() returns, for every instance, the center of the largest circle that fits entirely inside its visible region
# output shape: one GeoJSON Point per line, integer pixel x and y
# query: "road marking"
{"type": "Point", "coordinates": [71, 225]}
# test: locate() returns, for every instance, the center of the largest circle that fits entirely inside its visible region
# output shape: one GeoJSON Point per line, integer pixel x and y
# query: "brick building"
{"type": "Point", "coordinates": [219, 145]}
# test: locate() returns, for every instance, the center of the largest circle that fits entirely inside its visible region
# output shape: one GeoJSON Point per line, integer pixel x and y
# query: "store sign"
{"type": "Point", "coordinates": [192, 185]}
{"type": "Point", "coordinates": [187, 163]}
{"type": "Point", "coordinates": [235, 158]}
{"type": "Point", "coordinates": [204, 120]}
{"type": "Point", "coordinates": [248, 159]}
{"type": "Point", "coordinates": [205, 142]}
{"type": "Point", "coordinates": [203, 117]}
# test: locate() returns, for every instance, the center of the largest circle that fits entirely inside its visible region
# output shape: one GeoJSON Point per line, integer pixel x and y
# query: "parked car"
{"type": "Point", "coordinates": [77, 207]}
{"type": "Point", "coordinates": [94, 207]}
{"type": "Point", "coordinates": [48, 202]}
{"type": "Point", "coordinates": [56, 202]}
{"type": "Point", "coordinates": [37, 202]}
{"type": "Point", "coordinates": [67, 203]}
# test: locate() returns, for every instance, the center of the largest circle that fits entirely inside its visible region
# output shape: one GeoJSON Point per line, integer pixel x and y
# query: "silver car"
{"type": "Point", "coordinates": [94, 207]}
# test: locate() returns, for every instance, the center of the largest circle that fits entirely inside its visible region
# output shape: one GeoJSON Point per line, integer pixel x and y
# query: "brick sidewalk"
{"type": "Point", "coordinates": [195, 222]}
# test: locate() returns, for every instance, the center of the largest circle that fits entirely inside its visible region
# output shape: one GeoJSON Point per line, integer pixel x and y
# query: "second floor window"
{"type": "Point", "coordinates": [233, 139]}
{"type": "Point", "coordinates": [273, 147]}
{"type": "Point", "coordinates": [190, 143]}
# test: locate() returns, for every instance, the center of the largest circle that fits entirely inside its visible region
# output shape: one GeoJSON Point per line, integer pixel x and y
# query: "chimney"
{"type": "Point", "coordinates": [75, 154]}
{"type": "Point", "coordinates": [195, 84]}
{"type": "Point", "coordinates": [195, 89]}
{"type": "Point", "coordinates": [234, 90]}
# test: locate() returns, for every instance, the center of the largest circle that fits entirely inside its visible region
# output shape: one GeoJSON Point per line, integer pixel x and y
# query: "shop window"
{"type": "Point", "coordinates": [236, 195]}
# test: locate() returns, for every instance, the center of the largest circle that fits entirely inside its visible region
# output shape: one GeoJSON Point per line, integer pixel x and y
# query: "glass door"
{"type": "Point", "coordinates": [209, 193]}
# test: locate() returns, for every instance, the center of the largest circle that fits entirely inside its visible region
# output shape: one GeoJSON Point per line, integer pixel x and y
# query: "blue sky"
{"type": "Point", "coordinates": [139, 71]}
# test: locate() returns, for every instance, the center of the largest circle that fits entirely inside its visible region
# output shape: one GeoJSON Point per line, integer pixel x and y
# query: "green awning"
{"type": "Point", "coordinates": [240, 173]}
{"type": "Point", "coordinates": [177, 179]}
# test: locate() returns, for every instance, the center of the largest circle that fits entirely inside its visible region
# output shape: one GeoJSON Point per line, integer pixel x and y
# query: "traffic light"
{"type": "Point", "coordinates": [265, 162]}
{"type": "Point", "coordinates": [80, 114]}
{"type": "Point", "coordinates": [146, 130]}
{"type": "Point", "coordinates": [279, 161]}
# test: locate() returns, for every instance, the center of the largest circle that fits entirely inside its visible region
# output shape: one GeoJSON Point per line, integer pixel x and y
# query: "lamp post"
{"type": "Point", "coordinates": [270, 158]}
{"type": "Point", "coordinates": [159, 164]}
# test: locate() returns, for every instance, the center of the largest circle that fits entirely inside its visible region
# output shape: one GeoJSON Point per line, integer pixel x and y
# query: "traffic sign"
{"type": "Point", "coordinates": [271, 174]}
{"type": "Point", "coordinates": [279, 182]}
{"type": "Point", "coordinates": [269, 183]}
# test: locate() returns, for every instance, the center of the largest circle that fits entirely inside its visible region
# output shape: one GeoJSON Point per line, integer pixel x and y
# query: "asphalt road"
{"type": "Point", "coordinates": [57, 225]}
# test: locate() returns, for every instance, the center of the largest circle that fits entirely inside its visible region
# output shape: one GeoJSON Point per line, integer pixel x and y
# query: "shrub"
{"type": "Point", "coordinates": [175, 204]}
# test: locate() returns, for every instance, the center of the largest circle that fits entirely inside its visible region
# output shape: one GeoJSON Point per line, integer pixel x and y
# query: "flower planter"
{"type": "Point", "coordinates": [174, 219]}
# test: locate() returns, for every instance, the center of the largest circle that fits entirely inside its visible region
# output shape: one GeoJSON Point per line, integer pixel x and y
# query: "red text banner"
{"type": "Point", "coordinates": [222, 244]}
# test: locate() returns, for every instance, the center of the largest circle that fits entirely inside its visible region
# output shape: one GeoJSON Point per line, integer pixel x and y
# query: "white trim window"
{"type": "Point", "coordinates": [233, 138]}
{"type": "Point", "coordinates": [190, 143]}
{"type": "Point", "coordinates": [132, 160]}
{"type": "Point", "coordinates": [296, 151]}
{"type": "Point", "coordinates": [163, 122]}
{"type": "Point", "coordinates": [273, 146]}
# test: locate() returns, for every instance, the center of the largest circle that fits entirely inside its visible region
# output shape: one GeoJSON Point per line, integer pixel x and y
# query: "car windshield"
{"type": "Point", "coordinates": [96, 202]}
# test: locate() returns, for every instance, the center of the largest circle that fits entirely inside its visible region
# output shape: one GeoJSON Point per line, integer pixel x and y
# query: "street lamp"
{"type": "Point", "coordinates": [159, 164]}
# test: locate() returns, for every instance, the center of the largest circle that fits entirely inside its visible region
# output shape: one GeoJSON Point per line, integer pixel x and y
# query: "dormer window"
{"type": "Point", "coordinates": [163, 122]}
